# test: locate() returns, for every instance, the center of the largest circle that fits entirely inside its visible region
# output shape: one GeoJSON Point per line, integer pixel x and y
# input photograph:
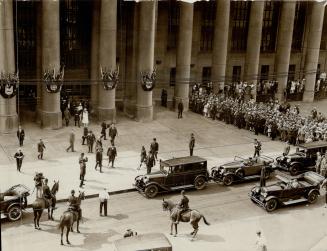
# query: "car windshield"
{"type": "Point", "coordinates": [164, 169]}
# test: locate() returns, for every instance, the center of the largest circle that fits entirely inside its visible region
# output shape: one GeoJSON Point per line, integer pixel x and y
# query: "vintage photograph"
{"type": "Point", "coordinates": [163, 125]}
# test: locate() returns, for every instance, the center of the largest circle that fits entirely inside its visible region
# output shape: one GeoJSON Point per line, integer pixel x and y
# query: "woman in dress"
{"type": "Point", "coordinates": [85, 118]}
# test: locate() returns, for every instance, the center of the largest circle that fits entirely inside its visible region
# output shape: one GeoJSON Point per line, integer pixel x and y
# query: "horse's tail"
{"type": "Point", "coordinates": [205, 221]}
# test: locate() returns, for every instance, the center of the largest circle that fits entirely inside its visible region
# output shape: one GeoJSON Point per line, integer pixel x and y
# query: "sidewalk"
{"type": "Point", "coordinates": [215, 141]}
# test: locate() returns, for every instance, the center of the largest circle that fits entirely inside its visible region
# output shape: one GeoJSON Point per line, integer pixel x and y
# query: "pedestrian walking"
{"type": "Point", "coordinates": [192, 144]}
{"type": "Point", "coordinates": [40, 149]}
{"type": "Point", "coordinates": [150, 162]}
{"type": "Point", "coordinates": [103, 198]}
{"type": "Point", "coordinates": [85, 118]}
{"type": "Point", "coordinates": [318, 162]}
{"type": "Point", "coordinates": [85, 133]}
{"type": "Point", "coordinates": [143, 157]}
{"type": "Point", "coordinates": [77, 119]}
{"type": "Point", "coordinates": [98, 158]}
{"type": "Point", "coordinates": [104, 127]}
{"type": "Point", "coordinates": [82, 164]}
{"type": "Point", "coordinates": [260, 244]}
{"type": "Point", "coordinates": [180, 108]}
{"type": "Point", "coordinates": [19, 156]}
{"type": "Point", "coordinates": [20, 135]}
{"type": "Point", "coordinates": [90, 141]}
{"type": "Point", "coordinates": [113, 133]}
{"type": "Point", "coordinates": [112, 154]}
{"type": "Point", "coordinates": [257, 148]}
{"type": "Point", "coordinates": [98, 144]}
{"type": "Point", "coordinates": [67, 116]}
{"type": "Point", "coordinates": [154, 148]}
{"type": "Point", "coordinates": [71, 141]}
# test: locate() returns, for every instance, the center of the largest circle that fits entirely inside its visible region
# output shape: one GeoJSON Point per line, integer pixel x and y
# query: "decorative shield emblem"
{"type": "Point", "coordinates": [53, 81]}
{"type": "Point", "coordinates": [148, 80]}
{"type": "Point", "coordinates": [110, 78]}
{"type": "Point", "coordinates": [9, 84]}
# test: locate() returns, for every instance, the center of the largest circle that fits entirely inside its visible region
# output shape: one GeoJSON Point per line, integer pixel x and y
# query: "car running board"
{"type": "Point", "coordinates": [181, 187]}
{"type": "Point", "coordinates": [290, 202]}
{"type": "Point", "coordinates": [252, 177]}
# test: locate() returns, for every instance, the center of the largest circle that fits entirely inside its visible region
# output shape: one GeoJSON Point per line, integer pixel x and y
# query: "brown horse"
{"type": "Point", "coordinates": [68, 218]}
{"type": "Point", "coordinates": [41, 203]}
{"type": "Point", "coordinates": [192, 216]}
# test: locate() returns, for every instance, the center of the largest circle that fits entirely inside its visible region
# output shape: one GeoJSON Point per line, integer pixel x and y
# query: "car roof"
{"type": "Point", "coordinates": [314, 144]}
{"type": "Point", "coordinates": [183, 160]}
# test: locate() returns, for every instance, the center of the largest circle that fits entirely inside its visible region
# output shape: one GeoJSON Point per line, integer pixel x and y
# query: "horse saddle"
{"type": "Point", "coordinates": [75, 212]}
{"type": "Point", "coordinates": [184, 212]}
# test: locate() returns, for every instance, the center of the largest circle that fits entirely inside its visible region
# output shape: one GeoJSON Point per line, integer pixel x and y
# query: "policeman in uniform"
{"type": "Point", "coordinates": [182, 206]}
{"type": "Point", "coordinates": [38, 184]}
{"type": "Point", "coordinates": [73, 204]}
{"type": "Point", "coordinates": [47, 193]}
{"type": "Point", "coordinates": [82, 163]}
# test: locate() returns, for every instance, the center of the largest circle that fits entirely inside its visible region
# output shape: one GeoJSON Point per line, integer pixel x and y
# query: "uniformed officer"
{"type": "Point", "coordinates": [98, 158]}
{"type": "Point", "coordinates": [40, 149]}
{"type": "Point", "coordinates": [192, 144]}
{"type": "Point", "coordinates": [112, 153]}
{"type": "Point", "coordinates": [113, 133]}
{"type": "Point", "coordinates": [47, 192]}
{"type": "Point", "coordinates": [90, 141]}
{"type": "Point", "coordinates": [182, 206]}
{"type": "Point", "coordinates": [82, 163]}
{"type": "Point", "coordinates": [73, 204]}
{"type": "Point", "coordinates": [154, 148]}
{"type": "Point", "coordinates": [257, 148]}
{"type": "Point", "coordinates": [38, 179]}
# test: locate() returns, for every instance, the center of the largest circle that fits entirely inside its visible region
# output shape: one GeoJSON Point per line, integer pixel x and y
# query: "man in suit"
{"type": "Point", "coordinates": [19, 156]}
{"type": "Point", "coordinates": [85, 133]}
{"type": "Point", "coordinates": [112, 153]}
{"type": "Point", "coordinates": [67, 116]}
{"type": "Point", "coordinates": [192, 144]}
{"type": "Point", "coordinates": [40, 149]}
{"type": "Point", "coordinates": [113, 133]}
{"type": "Point", "coordinates": [103, 130]}
{"type": "Point", "coordinates": [90, 141]}
{"type": "Point", "coordinates": [180, 109]}
{"type": "Point", "coordinates": [20, 135]}
{"type": "Point", "coordinates": [98, 158]}
{"type": "Point", "coordinates": [77, 119]}
{"type": "Point", "coordinates": [257, 148]}
{"type": "Point", "coordinates": [71, 141]}
{"type": "Point", "coordinates": [150, 162]}
{"type": "Point", "coordinates": [154, 148]}
{"type": "Point", "coordinates": [82, 164]}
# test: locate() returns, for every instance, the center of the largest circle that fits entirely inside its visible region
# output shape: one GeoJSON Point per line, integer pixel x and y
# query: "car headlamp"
{"type": "Point", "coordinates": [288, 160]}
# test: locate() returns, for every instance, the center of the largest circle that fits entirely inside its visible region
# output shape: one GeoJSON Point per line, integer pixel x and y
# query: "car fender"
{"type": "Point", "coordinates": [271, 197]}
{"type": "Point", "coordinates": [14, 204]}
{"type": "Point", "coordinates": [314, 189]}
{"type": "Point", "coordinates": [229, 173]}
{"type": "Point", "coordinates": [297, 163]}
{"type": "Point", "coordinates": [203, 176]}
{"type": "Point", "coordinates": [156, 184]}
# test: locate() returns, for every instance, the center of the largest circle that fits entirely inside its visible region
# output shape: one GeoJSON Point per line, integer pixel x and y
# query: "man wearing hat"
{"type": "Point", "coordinates": [103, 198]}
{"type": "Point", "coordinates": [20, 135]}
{"type": "Point", "coordinates": [82, 163]}
{"type": "Point", "coordinates": [47, 192]}
{"type": "Point", "coordinates": [182, 206]}
{"type": "Point", "coordinates": [192, 144]}
{"type": "Point", "coordinates": [19, 156]}
{"type": "Point", "coordinates": [40, 149]}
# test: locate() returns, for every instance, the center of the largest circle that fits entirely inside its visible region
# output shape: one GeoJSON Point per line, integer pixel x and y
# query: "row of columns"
{"type": "Point", "coordinates": [103, 49]}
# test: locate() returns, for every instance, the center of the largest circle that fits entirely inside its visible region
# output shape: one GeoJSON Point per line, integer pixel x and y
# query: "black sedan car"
{"type": "Point", "coordinates": [242, 169]}
{"type": "Point", "coordinates": [13, 201]}
{"type": "Point", "coordinates": [288, 190]}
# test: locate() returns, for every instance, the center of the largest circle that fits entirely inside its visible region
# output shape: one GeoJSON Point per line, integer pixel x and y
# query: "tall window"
{"type": "Point", "coordinates": [269, 26]}
{"type": "Point", "coordinates": [299, 23]}
{"type": "Point", "coordinates": [173, 24]}
{"type": "Point", "coordinates": [236, 73]}
{"type": "Point", "coordinates": [264, 72]}
{"type": "Point", "coordinates": [240, 23]}
{"type": "Point", "coordinates": [75, 33]}
{"type": "Point", "coordinates": [291, 72]}
{"type": "Point", "coordinates": [206, 74]}
{"type": "Point", "coordinates": [25, 37]}
{"type": "Point", "coordinates": [172, 76]}
{"type": "Point", "coordinates": [208, 11]}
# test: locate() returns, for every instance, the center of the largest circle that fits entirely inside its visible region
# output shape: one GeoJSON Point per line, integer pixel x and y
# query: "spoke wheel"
{"type": "Point", "coordinates": [14, 213]}
{"type": "Point", "coordinates": [200, 183]}
{"type": "Point", "coordinates": [151, 191]}
{"type": "Point", "coordinates": [313, 196]}
{"type": "Point", "coordinates": [228, 180]}
{"type": "Point", "coordinates": [271, 205]}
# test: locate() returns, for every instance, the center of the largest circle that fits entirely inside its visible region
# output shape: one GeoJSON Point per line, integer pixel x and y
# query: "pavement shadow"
{"type": "Point", "coordinates": [94, 241]}
{"type": "Point", "coordinates": [209, 238]}
{"type": "Point", "coordinates": [118, 216]}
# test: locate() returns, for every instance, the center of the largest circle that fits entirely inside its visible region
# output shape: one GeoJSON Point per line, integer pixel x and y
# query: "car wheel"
{"type": "Point", "coordinates": [294, 170]}
{"type": "Point", "coordinates": [271, 205]}
{"type": "Point", "coordinates": [151, 191]}
{"type": "Point", "coordinates": [313, 196]}
{"type": "Point", "coordinates": [200, 183]}
{"type": "Point", "coordinates": [240, 173]}
{"type": "Point", "coordinates": [228, 180]}
{"type": "Point", "coordinates": [14, 213]}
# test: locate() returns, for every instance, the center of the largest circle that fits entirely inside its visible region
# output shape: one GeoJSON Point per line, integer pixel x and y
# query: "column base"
{"type": "Point", "coordinates": [144, 114]}
{"type": "Point", "coordinates": [185, 101]}
{"type": "Point", "coordinates": [51, 120]}
{"type": "Point", "coordinates": [107, 114]}
{"type": "Point", "coordinates": [130, 108]}
{"type": "Point", "coordinates": [308, 96]}
{"type": "Point", "coordinates": [8, 123]}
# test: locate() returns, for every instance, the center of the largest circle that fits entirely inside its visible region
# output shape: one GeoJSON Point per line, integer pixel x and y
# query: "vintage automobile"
{"type": "Point", "coordinates": [304, 159]}
{"type": "Point", "coordinates": [288, 190]}
{"type": "Point", "coordinates": [145, 242]}
{"type": "Point", "coordinates": [174, 174]}
{"type": "Point", "coordinates": [242, 170]}
{"type": "Point", "coordinates": [13, 201]}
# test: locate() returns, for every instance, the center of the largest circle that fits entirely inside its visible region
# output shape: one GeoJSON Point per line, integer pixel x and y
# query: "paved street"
{"type": "Point", "coordinates": [234, 221]}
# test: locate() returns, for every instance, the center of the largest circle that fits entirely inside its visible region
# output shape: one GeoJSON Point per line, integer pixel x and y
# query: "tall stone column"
{"type": "Point", "coordinates": [219, 53]}
{"type": "Point", "coordinates": [312, 54]}
{"type": "Point", "coordinates": [183, 54]}
{"type": "Point", "coordinates": [51, 116]}
{"type": "Point", "coordinates": [145, 58]}
{"type": "Point", "coordinates": [284, 46]}
{"type": "Point", "coordinates": [107, 57]}
{"type": "Point", "coordinates": [8, 113]}
{"type": "Point", "coordinates": [95, 56]}
{"type": "Point", "coordinates": [253, 44]}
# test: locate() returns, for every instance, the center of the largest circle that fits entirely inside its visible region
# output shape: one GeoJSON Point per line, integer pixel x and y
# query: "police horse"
{"type": "Point", "coordinates": [41, 203]}
{"type": "Point", "coordinates": [68, 218]}
{"type": "Point", "coordinates": [192, 216]}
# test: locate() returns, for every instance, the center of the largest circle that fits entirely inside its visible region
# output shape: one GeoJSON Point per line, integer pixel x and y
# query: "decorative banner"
{"type": "Point", "coordinates": [148, 80]}
{"type": "Point", "coordinates": [110, 78]}
{"type": "Point", "coordinates": [9, 84]}
{"type": "Point", "coordinates": [53, 81]}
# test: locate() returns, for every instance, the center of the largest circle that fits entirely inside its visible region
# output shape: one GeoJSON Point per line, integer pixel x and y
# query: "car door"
{"type": "Point", "coordinates": [169, 181]}
{"type": "Point", "coordinates": [179, 175]}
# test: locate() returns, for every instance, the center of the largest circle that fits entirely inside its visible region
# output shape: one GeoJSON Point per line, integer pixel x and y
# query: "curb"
{"type": "Point", "coordinates": [90, 196]}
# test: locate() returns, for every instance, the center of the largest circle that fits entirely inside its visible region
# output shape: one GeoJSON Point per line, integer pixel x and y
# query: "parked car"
{"type": "Point", "coordinates": [13, 201]}
{"type": "Point", "coordinates": [174, 174]}
{"type": "Point", "coordinates": [304, 159]}
{"type": "Point", "coordinates": [242, 170]}
{"type": "Point", "coordinates": [288, 190]}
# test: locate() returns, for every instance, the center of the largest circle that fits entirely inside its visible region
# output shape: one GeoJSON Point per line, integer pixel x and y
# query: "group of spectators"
{"type": "Point", "coordinates": [272, 118]}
